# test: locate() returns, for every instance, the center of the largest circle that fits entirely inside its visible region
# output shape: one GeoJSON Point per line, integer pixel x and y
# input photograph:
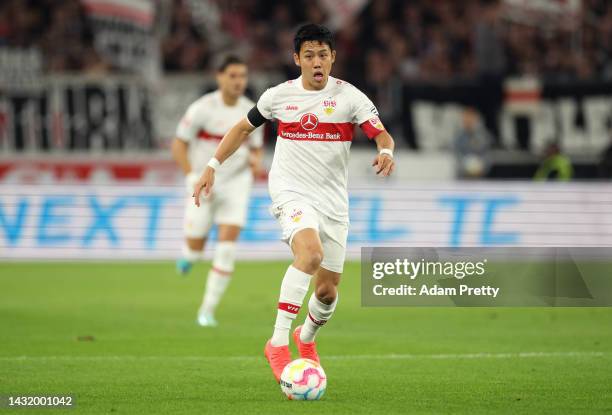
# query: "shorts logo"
{"type": "Point", "coordinates": [375, 122]}
{"type": "Point", "coordinates": [291, 108]}
{"type": "Point", "coordinates": [309, 121]}
{"type": "Point", "coordinates": [296, 215]}
{"type": "Point", "coordinates": [329, 106]}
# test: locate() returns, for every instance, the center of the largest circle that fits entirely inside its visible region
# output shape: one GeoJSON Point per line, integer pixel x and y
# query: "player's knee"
{"type": "Point", "coordinates": [326, 292]}
{"type": "Point", "coordinates": [310, 258]}
{"type": "Point", "coordinates": [314, 257]}
{"type": "Point", "coordinates": [195, 243]}
{"type": "Point", "coordinates": [225, 255]}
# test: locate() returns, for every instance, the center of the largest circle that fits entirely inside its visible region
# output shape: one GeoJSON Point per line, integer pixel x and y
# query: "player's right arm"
{"type": "Point", "coordinates": [180, 154]}
{"type": "Point", "coordinates": [231, 142]}
{"type": "Point", "coordinates": [186, 135]}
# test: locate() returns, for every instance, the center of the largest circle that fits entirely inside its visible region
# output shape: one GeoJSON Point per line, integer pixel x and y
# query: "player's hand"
{"type": "Point", "coordinates": [384, 164]}
{"type": "Point", "coordinates": [205, 185]}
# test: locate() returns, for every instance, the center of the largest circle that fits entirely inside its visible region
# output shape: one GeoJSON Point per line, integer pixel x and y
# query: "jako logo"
{"type": "Point", "coordinates": [309, 121]}
{"type": "Point", "coordinates": [291, 108]}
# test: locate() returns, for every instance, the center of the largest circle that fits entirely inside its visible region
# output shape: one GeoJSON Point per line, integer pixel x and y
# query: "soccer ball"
{"type": "Point", "coordinates": [303, 380]}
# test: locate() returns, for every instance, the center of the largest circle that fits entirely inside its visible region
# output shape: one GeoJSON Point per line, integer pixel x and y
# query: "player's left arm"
{"type": "Point", "coordinates": [365, 115]}
{"type": "Point", "coordinates": [384, 162]}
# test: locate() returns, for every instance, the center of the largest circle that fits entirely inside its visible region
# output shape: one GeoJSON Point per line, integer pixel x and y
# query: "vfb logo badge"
{"type": "Point", "coordinates": [309, 121]}
{"type": "Point", "coordinates": [329, 106]}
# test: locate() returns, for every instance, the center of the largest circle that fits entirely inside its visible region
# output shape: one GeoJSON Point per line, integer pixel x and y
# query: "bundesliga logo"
{"type": "Point", "coordinates": [375, 122]}
{"type": "Point", "coordinates": [309, 121]}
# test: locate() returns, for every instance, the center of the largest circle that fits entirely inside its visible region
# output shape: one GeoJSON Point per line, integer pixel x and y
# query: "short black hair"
{"type": "Point", "coordinates": [310, 32]}
{"type": "Point", "coordinates": [230, 60]}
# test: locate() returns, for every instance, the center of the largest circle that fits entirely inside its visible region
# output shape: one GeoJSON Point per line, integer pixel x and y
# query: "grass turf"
{"type": "Point", "coordinates": [122, 338]}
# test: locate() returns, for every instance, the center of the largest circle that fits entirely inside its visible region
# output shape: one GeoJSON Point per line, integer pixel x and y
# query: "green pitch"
{"type": "Point", "coordinates": [122, 338]}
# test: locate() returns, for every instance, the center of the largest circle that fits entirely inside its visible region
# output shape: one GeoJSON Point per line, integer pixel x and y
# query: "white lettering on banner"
{"type": "Point", "coordinates": [20, 68]}
{"type": "Point", "coordinates": [145, 221]}
{"type": "Point", "coordinates": [110, 114]}
{"type": "Point", "coordinates": [436, 125]}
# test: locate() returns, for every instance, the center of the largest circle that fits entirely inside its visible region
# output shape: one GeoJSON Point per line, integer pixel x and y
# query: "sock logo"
{"type": "Point", "coordinates": [290, 308]}
{"type": "Point", "coordinates": [317, 322]}
{"type": "Point", "coordinates": [221, 272]}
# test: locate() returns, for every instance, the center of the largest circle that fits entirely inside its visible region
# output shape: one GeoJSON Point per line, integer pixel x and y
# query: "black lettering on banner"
{"type": "Point", "coordinates": [77, 115]}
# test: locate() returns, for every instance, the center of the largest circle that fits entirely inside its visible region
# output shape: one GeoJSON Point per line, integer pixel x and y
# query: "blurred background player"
{"type": "Point", "coordinates": [197, 136]}
{"type": "Point", "coordinates": [308, 182]}
{"type": "Point", "coordinates": [472, 146]}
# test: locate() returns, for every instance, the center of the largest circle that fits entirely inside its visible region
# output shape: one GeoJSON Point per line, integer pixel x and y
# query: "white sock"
{"type": "Point", "coordinates": [318, 314]}
{"type": "Point", "coordinates": [293, 290]}
{"type": "Point", "coordinates": [219, 275]}
{"type": "Point", "coordinates": [190, 254]}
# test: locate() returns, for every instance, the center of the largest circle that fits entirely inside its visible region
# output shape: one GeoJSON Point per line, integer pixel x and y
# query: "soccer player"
{"type": "Point", "coordinates": [197, 137]}
{"type": "Point", "coordinates": [308, 182]}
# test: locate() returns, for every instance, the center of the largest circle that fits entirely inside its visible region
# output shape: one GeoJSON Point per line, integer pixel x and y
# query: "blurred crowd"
{"type": "Point", "coordinates": [413, 40]}
{"type": "Point", "coordinates": [58, 29]}
{"type": "Point", "coordinates": [410, 40]}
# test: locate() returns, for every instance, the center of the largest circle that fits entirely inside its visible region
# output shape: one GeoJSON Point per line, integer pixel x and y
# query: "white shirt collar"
{"type": "Point", "coordinates": [300, 85]}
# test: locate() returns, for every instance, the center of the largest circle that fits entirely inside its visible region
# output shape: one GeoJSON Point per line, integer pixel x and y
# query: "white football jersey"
{"type": "Point", "coordinates": [315, 130]}
{"type": "Point", "coordinates": [204, 125]}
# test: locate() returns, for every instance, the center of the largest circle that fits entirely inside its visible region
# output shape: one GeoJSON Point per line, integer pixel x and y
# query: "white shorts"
{"type": "Point", "coordinates": [296, 215]}
{"type": "Point", "coordinates": [227, 205]}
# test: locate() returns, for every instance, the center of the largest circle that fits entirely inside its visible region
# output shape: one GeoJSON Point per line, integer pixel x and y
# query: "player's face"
{"type": "Point", "coordinates": [233, 80]}
{"type": "Point", "coordinates": [315, 60]}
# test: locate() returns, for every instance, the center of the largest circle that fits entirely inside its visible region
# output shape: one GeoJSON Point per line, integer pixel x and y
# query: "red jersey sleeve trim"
{"type": "Point", "coordinates": [372, 127]}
